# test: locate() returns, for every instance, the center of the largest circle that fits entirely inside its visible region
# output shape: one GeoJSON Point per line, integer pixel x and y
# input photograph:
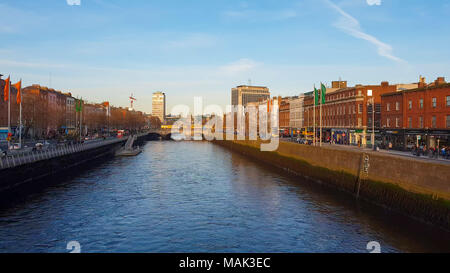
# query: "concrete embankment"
{"type": "Point", "coordinates": [416, 188]}
{"type": "Point", "coordinates": [21, 171]}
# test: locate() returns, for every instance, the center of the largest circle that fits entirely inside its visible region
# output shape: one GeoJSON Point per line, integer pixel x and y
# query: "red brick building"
{"type": "Point", "coordinates": [45, 111]}
{"type": "Point", "coordinates": [417, 116]}
{"type": "Point", "coordinates": [347, 113]}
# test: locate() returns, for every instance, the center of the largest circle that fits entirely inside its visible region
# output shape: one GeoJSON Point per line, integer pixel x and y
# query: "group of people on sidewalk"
{"type": "Point", "coordinates": [432, 152]}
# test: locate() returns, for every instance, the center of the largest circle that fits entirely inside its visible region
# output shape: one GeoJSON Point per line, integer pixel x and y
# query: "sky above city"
{"type": "Point", "coordinates": [107, 49]}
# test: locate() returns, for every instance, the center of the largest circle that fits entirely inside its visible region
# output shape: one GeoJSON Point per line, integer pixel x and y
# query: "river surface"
{"type": "Point", "coordinates": [198, 197]}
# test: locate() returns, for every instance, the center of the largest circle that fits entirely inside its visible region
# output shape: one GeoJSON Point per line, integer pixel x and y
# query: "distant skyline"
{"type": "Point", "coordinates": [105, 50]}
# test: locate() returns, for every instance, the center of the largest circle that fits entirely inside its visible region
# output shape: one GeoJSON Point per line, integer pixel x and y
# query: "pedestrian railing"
{"type": "Point", "coordinates": [18, 159]}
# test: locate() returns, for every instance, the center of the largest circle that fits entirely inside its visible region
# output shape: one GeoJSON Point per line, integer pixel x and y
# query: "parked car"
{"type": "Point", "coordinates": [304, 141]}
{"type": "Point", "coordinates": [15, 146]}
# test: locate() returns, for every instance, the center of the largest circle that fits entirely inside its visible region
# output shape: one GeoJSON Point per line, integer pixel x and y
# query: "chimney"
{"type": "Point", "coordinates": [422, 79]}
{"type": "Point", "coordinates": [439, 81]}
{"type": "Point", "coordinates": [339, 84]}
{"type": "Point", "coordinates": [384, 84]}
{"type": "Point", "coordinates": [422, 82]}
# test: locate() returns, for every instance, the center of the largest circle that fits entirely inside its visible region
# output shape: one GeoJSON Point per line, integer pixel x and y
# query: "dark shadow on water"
{"type": "Point", "coordinates": [38, 188]}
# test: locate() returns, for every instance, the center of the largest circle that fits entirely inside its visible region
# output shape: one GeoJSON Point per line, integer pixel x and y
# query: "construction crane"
{"type": "Point", "coordinates": [132, 100]}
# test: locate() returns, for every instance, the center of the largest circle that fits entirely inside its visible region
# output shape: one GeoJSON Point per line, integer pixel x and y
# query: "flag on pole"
{"type": "Point", "coordinates": [6, 90]}
{"type": "Point", "coordinates": [324, 93]}
{"type": "Point", "coordinates": [316, 96]}
{"type": "Point", "coordinates": [18, 86]}
{"type": "Point", "coordinates": [79, 106]}
{"type": "Point", "coordinates": [107, 107]}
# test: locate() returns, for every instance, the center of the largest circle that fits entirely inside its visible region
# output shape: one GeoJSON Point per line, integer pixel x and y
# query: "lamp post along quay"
{"type": "Point", "coordinates": [372, 101]}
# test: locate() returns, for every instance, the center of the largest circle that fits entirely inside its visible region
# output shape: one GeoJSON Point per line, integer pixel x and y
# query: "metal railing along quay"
{"type": "Point", "coordinates": [18, 159]}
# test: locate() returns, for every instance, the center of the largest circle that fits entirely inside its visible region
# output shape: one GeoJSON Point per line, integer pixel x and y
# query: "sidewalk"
{"type": "Point", "coordinates": [391, 152]}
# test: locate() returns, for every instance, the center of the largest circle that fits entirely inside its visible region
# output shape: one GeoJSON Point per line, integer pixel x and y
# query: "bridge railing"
{"type": "Point", "coordinates": [18, 159]}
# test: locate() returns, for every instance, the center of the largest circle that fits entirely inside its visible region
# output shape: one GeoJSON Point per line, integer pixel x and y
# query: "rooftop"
{"type": "Point", "coordinates": [251, 86]}
{"type": "Point", "coordinates": [432, 87]}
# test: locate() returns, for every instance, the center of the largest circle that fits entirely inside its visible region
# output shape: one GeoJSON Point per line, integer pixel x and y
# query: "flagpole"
{"type": "Point", "coordinates": [314, 115]}
{"type": "Point", "coordinates": [20, 107]}
{"type": "Point", "coordinates": [81, 119]}
{"type": "Point", "coordinates": [76, 115]}
{"type": "Point", "coordinates": [9, 110]}
{"type": "Point", "coordinates": [321, 101]}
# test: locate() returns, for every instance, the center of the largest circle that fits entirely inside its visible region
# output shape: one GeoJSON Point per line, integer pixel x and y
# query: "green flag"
{"type": "Point", "coordinates": [316, 96]}
{"type": "Point", "coordinates": [79, 106]}
{"type": "Point", "coordinates": [324, 93]}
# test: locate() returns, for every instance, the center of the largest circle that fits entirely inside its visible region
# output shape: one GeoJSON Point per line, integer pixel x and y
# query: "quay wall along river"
{"type": "Point", "coordinates": [42, 165]}
{"type": "Point", "coordinates": [27, 170]}
{"type": "Point", "coordinates": [18, 171]}
{"type": "Point", "coordinates": [416, 188]}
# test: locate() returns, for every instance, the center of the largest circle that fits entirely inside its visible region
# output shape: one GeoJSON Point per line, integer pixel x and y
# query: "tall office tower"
{"type": "Point", "coordinates": [159, 106]}
{"type": "Point", "coordinates": [244, 94]}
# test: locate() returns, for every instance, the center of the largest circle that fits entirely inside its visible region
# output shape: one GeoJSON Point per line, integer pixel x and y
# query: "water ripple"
{"type": "Point", "coordinates": [197, 197]}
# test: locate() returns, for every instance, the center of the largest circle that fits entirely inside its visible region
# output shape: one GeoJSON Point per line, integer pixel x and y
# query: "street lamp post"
{"type": "Point", "coordinates": [373, 124]}
{"type": "Point", "coordinates": [372, 99]}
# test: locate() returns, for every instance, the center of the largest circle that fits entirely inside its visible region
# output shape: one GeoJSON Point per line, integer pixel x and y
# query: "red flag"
{"type": "Point", "coordinates": [18, 86]}
{"type": "Point", "coordinates": [6, 91]}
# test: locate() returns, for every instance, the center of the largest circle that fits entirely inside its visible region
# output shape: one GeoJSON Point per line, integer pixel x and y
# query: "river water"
{"type": "Point", "coordinates": [199, 197]}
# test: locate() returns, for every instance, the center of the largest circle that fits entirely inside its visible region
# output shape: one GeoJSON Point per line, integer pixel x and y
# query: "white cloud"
{"type": "Point", "coordinates": [374, 2]}
{"type": "Point", "coordinates": [14, 20]}
{"type": "Point", "coordinates": [351, 26]}
{"type": "Point", "coordinates": [74, 2]}
{"type": "Point", "coordinates": [258, 15]}
{"type": "Point", "coordinates": [19, 64]}
{"type": "Point", "coordinates": [241, 66]}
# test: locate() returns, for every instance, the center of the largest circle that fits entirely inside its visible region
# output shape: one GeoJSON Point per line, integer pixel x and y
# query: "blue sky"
{"type": "Point", "coordinates": [108, 49]}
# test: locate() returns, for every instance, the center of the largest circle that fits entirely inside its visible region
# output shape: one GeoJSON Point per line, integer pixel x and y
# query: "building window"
{"type": "Point", "coordinates": [388, 122]}
{"type": "Point", "coordinates": [360, 109]}
{"type": "Point", "coordinates": [420, 122]}
{"type": "Point", "coordinates": [409, 122]}
{"type": "Point", "coordinates": [397, 122]}
{"type": "Point", "coordinates": [434, 102]}
{"type": "Point", "coordinates": [421, 103]}
{"type": "Point", "coordinates": [388, 107]}
{"type": "Point", "coordinates": [448, 121]}
{"type": "Point", "coordinates": [397, 106]}
{"type": "Point", "coordinates": [433, 122]}
{"type": "Point", "coordinates": [360, 121]}
{"type": "Point", "coordinates": [448, 101]}
{"type": "Point", "coordinates": [410, 104]}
